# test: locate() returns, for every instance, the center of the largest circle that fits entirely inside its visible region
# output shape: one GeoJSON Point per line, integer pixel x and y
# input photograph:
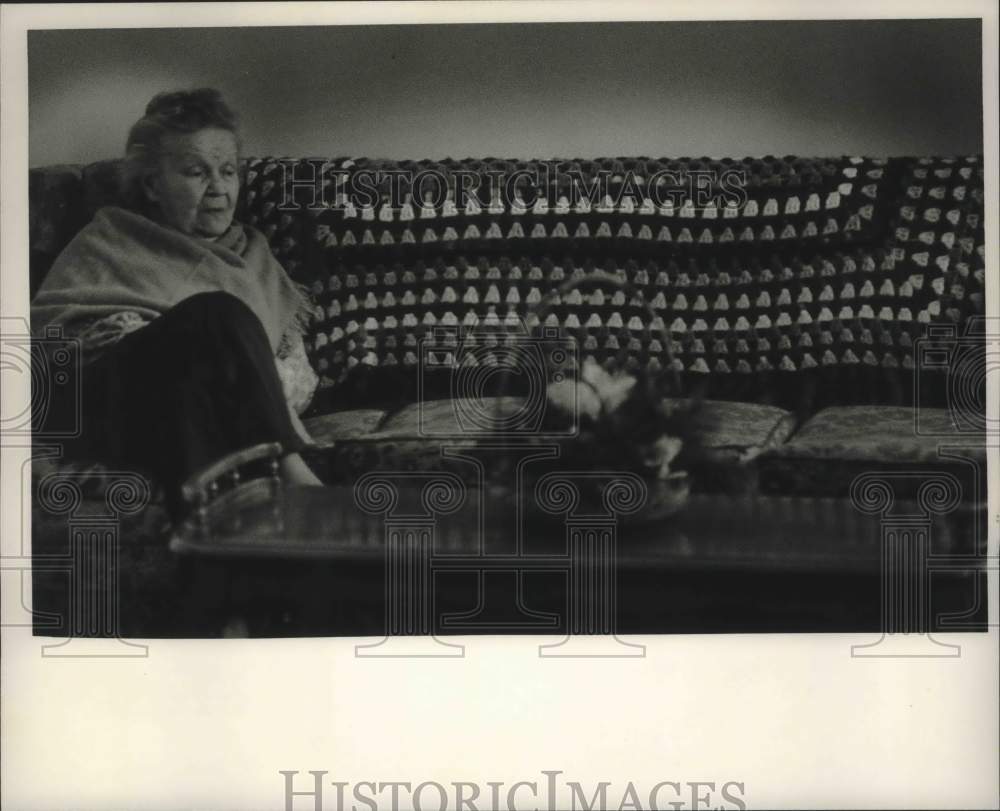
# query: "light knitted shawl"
{"type": "Point", "coordinates": [123, 261]}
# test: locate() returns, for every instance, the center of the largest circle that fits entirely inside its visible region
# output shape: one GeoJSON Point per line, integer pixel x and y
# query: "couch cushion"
{"type": "Point", "coordinates": [727, 435]}
{"type": "Point", "coordinates": [730, 436]}
{"type": "Point", "coordinates": [327, 429]}
{"type": "Point", "coordinates": [718, 424]}
{"type": "Point", "coordinates": [837, 444]}
{"type": "Point", "coordinates": [740, 431]}
{"type": "Point", "coordinates": [451, 419]}
{"type": "Point", "coordinates": [876, 433]}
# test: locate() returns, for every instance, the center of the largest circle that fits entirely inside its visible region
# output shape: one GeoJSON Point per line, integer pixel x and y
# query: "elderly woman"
{"type": "Point", "coordinates": [191, 331]}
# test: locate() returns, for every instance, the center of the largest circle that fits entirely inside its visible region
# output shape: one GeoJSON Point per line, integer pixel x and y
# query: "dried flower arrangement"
{"type": "Point", "coordinates": [624, 418]}
{"type": "Point", "coordinates": [622, 421]}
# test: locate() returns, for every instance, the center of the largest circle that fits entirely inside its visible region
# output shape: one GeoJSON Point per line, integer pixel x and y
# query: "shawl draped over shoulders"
{"type": "Point", "coordinates": [124, 262]}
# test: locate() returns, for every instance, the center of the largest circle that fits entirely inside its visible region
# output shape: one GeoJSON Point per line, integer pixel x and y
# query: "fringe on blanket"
{"type": "Point", "coordinates": [300, 322]}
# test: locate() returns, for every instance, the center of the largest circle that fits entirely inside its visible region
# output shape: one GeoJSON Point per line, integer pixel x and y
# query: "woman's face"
{"type": "Point", "coordinates": [196, 184]}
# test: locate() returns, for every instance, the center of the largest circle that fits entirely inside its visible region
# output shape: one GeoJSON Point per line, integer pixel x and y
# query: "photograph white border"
{"type": "Point", "coordinates": [210, 723]}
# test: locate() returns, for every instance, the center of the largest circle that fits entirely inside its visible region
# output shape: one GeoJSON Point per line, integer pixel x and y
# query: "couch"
{"type": "Point", "coordinates": [830, 325]}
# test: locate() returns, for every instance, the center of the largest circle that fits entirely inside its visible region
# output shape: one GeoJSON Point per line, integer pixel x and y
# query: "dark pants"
{"type": "Point", "coordinates": [176, 395]}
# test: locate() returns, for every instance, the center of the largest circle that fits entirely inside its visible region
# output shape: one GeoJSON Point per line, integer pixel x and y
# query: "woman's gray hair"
{"type": "Point", "coordinates": [176, 112]}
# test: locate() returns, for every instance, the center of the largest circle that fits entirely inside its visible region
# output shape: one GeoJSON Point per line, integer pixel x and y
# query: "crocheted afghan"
{"type": "Point", "coordinates": [813, 288]}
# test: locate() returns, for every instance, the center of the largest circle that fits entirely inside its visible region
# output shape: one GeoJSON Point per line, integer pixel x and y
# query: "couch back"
{"type": "Point", "coordinates": [810, 287]}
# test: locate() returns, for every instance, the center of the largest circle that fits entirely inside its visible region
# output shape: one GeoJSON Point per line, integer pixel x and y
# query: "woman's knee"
{"type": "Point", "coordinates": [216, 301]}
{"type": "Point", "coordinates": [215, 312]}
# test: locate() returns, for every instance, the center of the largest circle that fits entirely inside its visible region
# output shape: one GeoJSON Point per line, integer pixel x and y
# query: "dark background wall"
{"type": "Point", "coordinates": [570, 90]}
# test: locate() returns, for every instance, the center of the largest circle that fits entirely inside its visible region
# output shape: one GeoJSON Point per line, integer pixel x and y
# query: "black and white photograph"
{"type": "Point", "coordinates": [599, 338]}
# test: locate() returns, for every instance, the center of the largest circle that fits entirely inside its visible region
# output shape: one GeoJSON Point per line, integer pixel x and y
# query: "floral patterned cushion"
{"type": "Point", "coordinates": [837, 444]}
{"type": "Point", "coordinates": [328, 429]}
{"type": "Point", "coordinates": [718, 424]}
{"type": "Point", "coordinates": [746, 428]}
{"type": "Point", "coordinates": [877, 433]}
{"type": "Point", "coordinates": [451, 418]}
{"type": "Point", "coordinates": [729, 436]}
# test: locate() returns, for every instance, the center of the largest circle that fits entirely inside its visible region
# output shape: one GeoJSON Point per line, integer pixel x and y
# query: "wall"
{"type": "Point", "coordinates": [578, 90]}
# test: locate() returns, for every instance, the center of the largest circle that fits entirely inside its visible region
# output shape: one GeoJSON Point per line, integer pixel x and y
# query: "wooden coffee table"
{"type": "Point", "coordinates": [380, 557]}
